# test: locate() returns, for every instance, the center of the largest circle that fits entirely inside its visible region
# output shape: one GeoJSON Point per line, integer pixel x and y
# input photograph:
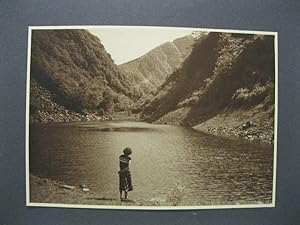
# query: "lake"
{"type": "Point", "coordinates": [171, 165]}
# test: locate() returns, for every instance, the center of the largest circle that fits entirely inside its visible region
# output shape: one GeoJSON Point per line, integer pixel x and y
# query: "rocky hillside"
{"type": "Point", "coordinates": [72, 72]}
{"type": "Point", "coordinates": [150, 70]}
{"type": "Point", "coordinates": [225, 86]}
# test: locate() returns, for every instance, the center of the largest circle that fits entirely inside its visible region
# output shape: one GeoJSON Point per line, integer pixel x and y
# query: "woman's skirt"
{"type": "Point", "coordinates": [125, 181]}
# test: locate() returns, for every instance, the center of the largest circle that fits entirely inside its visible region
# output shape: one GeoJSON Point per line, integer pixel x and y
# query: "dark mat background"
{"type": "Point", "coordinates": [16, 15]}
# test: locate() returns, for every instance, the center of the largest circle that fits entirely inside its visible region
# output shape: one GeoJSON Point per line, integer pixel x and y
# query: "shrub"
{"type": "Point", "coordinates": [254, 95]}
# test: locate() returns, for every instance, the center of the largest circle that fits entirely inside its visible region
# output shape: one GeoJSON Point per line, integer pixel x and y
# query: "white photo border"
{"type": "Point", "coordinates": [86, 206]}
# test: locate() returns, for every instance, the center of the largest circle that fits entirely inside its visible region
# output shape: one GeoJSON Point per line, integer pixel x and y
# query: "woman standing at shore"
{"type": "Point", "coordinates": [125, 183]}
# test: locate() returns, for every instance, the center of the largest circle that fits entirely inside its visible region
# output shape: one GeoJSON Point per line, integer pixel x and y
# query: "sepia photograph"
{"type": "Point", "coordinates": [131, 117]}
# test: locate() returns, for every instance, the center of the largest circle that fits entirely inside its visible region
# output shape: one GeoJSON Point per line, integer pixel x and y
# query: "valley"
{"type": "Point", "coordinates": [219, 83]}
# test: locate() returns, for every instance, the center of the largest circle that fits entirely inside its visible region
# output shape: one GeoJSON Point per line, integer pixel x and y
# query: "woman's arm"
{"type": "Point", "coordinates": [123, 170]}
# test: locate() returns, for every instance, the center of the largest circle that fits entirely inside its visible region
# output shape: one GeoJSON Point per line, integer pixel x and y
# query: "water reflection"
{"type": "Point", "coordinates": [172, 165]}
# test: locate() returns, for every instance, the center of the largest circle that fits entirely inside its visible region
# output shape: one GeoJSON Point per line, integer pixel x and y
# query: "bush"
{"type": "Point", "coordinates": [119, 107]}
{"type": "Point", "coordinates": [257, 94]}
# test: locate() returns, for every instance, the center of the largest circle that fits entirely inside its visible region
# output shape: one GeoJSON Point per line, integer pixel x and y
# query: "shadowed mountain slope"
{"type": "Point", "coordinates": [225, 75]}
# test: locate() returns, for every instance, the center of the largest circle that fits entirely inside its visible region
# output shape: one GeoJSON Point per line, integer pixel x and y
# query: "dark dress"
{"type": "Point", "coordinates": [125, 175]}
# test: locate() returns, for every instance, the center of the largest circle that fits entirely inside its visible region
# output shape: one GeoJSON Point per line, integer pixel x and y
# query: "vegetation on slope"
{"type": "Point", "coordinates": [216, 82]}
{"type": "Point", "coordinates": [78, 73]}
{"type": "Point", "coordinates": [224, 74]}
{"type": "Point", "coordinates": [150, 70]}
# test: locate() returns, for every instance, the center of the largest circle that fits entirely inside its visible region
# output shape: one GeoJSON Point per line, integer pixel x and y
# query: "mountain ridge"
{"type": "Point", "coordinates": [220, 83]}
{"type": "Point", "coordinates": [226, 74]}
{"type": "Point", "coordinates": [150, 70]}
{"type": "Point", "coordinates": [77, 71]}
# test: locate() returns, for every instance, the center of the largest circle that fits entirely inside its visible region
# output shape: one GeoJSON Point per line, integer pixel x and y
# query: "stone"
{"type": "Point", "coordinates": [247, 125]}
{"type": "Point", "coordinates": [67, 187]}
{"type": "Point", "coordinates": [85, 189]}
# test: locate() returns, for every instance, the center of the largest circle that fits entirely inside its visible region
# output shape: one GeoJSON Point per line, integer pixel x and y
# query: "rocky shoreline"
{"type": "Point", "coordinates": [251, 134]}
{"type": "Point", "coordinates": [48, 191]}
{"type": "Point", "coordinates": [248, 128]}
{"type": "Point", "coordinates": [67, 116]}
{"type": "Point", "coordinates": [249, 125]}
{"type": "Point", "coordinates": [45, 190]}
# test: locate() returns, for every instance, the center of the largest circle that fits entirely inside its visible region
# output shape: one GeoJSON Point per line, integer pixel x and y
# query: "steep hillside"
{"type": "Point", "coordinates": [44, 109]}
{"type": "Point", "coordinates": [225, 86]}
{"type": "Point", "coordinates": [150, 70]}
{"type": "Point", "coordinates": [75, 72]}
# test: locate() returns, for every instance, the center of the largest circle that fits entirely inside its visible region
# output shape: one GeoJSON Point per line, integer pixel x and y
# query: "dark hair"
{"type": "Point", "coordinates": [127, 151]}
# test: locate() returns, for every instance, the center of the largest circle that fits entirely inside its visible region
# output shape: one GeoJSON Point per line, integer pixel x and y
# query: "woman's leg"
{"type": "Point", "coordinates": [129, 181]}
{"type": "Point", "coordinates": [121, 184]}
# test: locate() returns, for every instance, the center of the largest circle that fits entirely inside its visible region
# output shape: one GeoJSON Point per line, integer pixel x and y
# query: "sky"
{"type": "Point", "coordinates": [127, 43]}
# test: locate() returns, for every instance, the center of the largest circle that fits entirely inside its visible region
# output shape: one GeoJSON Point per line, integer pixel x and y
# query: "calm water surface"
{"type": "Point", "coordinates": [170, 165]}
